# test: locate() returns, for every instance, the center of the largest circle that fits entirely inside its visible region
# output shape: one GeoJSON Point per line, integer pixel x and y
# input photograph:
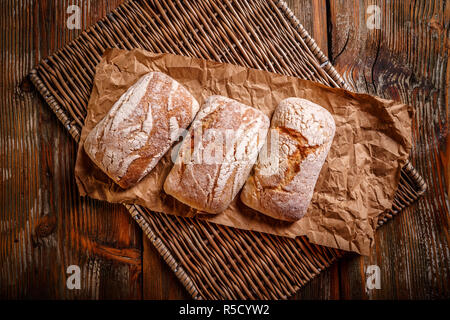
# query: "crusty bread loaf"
{"type": "Point", "coordinates": [140, 127]}
{"type": "Point", "coordinates": [217, 155]}
{"type": "Point", "coordinates": [283, 180]}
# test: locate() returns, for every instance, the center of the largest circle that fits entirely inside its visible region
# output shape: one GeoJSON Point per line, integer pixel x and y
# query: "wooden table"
{"type": "Point", "coordinates": [45, 226]}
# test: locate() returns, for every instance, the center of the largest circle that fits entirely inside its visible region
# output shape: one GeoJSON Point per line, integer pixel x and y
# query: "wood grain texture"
{"type": "Point", "coordinates": [407, 60]}
{"type": "Point", "coordinates": [45, 225]}
{"type": "Point", "coordinates": [159, 282]}
{"type": "Point", "coordinates": [312, 14]}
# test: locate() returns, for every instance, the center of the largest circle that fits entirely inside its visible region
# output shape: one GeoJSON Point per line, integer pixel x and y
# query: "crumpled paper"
{"type": "Point", "coordinates": [357, 182]}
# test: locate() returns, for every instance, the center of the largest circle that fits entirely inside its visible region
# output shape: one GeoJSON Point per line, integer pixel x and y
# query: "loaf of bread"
{"type": "Point", "coordinates": [140, 127]}
{"type": "Point", "coordinates": [217, 154]}
{"type": "Point", "coordinates": [283, 180]}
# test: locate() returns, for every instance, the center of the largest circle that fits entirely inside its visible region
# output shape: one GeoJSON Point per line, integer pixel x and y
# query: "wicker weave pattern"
{"type": "Point", "coordinates": [210, 260]}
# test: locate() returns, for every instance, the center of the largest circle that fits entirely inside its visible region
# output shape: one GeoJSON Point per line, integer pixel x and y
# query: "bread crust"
{"type": "Point", "coordinates": [283, 180]}
{"type": "Point", "coordinates": [235, 132]}
{"type": "Point", "coordinates": [140, 128]}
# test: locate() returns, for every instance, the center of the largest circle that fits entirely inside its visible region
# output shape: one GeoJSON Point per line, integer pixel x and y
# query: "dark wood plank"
{"type": "Point", "coordinates": [45, 225]}
{"type": "Point", "coordinates": [323, 287]}
{"type": "Point", "coordinates": [406, 60]}
{"type": "Point", "coordinates": [312, 14]}
{"type": "Point", "coordinates": [160, 283]}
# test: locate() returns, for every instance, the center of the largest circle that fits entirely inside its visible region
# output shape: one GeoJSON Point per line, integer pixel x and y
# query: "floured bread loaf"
{"type": "Point", "coordinates": [140, 127]}
{"type": "Point", "coordinates": [283, 180]}
{"type": "Point", "coordinates": [217, 155]}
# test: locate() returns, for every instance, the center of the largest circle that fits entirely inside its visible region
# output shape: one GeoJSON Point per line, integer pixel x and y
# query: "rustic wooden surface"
{"type": "Point", "coordinates": [45, 226]}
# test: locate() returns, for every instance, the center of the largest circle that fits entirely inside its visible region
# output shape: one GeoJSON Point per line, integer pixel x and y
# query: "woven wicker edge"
{"type": "Point", "coordinates": [329, 68]}
{"type": "Point", "coordinates": [323, 59]}
{"type": "Point", "coordinates": [134, 211]}
{"type": "Point", "coordinates": [422, 188]}
{"type": "Point", "coordinates": [164, 252]}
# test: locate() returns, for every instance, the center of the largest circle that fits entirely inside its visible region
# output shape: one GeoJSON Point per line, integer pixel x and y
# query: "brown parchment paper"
{"type": "Point", "coordinates": [356, 184]}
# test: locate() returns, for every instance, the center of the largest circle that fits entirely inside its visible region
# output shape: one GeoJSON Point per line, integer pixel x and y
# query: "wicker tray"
{"type": "Point", "coordinates": [211, 261]}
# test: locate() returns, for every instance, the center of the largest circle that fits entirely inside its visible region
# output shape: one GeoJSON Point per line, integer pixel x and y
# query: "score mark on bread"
{"type": "Point", "coordinates": [217, 155]}
{"type": "Point", "coordinates": [282, 183]}
{"type": "Point", "coordinates": [139, 128]}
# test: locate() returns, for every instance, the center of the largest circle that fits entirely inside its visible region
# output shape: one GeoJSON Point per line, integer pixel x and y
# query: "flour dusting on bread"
{"type": "Point", "coordinates": [283, 180]}
{"type": "Point", "coordinates": [235, 133]}
{"type": "Point", "coordinates": [137, 131]}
